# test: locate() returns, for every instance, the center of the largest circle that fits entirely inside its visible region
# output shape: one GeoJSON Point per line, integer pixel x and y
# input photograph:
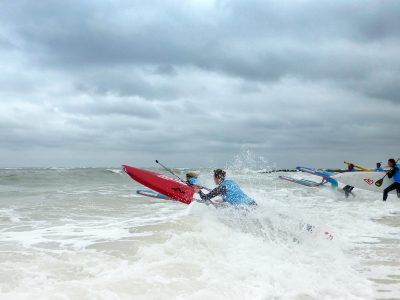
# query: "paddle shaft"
{"type": "Point", "coordinates": [170, 171]}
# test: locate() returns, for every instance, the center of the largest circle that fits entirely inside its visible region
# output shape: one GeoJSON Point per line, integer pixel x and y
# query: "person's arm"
{"type": "Point", "coordinates": [393, 171]}
{"type": "Point", "coordinates": [218, 191]}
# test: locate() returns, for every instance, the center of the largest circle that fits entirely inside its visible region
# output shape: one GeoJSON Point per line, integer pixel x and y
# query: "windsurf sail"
{"type": "Point", "coordinates": [163, 184]}
{"type": "Point", "coordinates": [325, 175]}
{"type": "Point", "coordinates": [316, 172]}
{"type": "Point", "coordinates": [305, 182]}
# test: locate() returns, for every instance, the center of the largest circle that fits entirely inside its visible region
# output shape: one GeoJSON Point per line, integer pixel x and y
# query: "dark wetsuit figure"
{"type": "Point", "coordinates": [395, 174]}
{"type": "Point", "coordinates": [348, 188]}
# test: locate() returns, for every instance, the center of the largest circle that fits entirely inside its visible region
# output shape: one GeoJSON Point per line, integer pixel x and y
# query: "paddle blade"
{"type": "Point", "coordinates": [379, 182]}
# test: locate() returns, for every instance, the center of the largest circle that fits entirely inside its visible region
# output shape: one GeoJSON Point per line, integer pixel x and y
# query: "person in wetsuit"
{"type": "Point", "coordinates": [228, 189]}
{"type": "Point", "coordinates": [379, 167]}
{"type": "Point", "coordinates": [348, 188]}
{"type": "Point", "coordinates": [395, 174]}
{"type": "Point", "coordinates": [192, 180]}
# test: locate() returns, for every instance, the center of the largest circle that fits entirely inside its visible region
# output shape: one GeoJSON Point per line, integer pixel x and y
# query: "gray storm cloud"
{"type": "Point", "coordinates": [103, 83]}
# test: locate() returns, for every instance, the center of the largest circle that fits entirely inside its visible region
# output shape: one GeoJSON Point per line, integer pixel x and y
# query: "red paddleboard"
{"type": "Point", "coordinates": [172, 188]}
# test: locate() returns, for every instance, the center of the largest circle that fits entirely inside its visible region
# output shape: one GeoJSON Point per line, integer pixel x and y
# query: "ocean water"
{"type": "Point", "coordinates": [85, 234]}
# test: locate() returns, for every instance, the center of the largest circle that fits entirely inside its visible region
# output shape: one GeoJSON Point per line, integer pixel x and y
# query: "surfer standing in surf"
{"type": "Point", "coordinates": [395, 174]}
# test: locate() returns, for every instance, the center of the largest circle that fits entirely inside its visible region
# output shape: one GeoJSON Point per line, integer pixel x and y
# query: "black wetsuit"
{"type": "Point", "coordinates": [394, 172]}
{"type": "Point", "coordinates": [218, 191]}
{"type": "Point", "coordinates": [347, 190]}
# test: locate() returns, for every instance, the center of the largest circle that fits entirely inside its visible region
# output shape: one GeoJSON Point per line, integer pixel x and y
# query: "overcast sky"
{"type": "Point", "coordinates": [196, 83]}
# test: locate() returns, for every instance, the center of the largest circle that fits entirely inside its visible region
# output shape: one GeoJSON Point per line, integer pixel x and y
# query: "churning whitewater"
{"type": "Point", "coordinates": [86, 234]}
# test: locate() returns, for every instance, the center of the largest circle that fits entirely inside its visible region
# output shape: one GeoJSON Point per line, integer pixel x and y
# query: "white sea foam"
{"type": "Point", "coordinates": [116, 171]}
{"type": "Point", "coordinates": [94, 238]}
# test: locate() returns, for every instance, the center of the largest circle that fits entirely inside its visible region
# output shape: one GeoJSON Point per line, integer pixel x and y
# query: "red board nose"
{"type": "Point", "coordinates": [161, 183]}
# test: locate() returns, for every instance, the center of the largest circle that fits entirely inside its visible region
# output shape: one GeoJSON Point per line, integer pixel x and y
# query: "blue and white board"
{"type": "Point", "coordinates": [364, 180]}
{"type": "Point", "coordinates": [152, 194]}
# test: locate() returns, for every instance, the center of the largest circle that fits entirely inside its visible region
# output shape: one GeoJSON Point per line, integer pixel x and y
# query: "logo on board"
{"type": "Point", "coordinates": [168, 178]}
{"type": "Point", "coordinates": [369, 181]}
